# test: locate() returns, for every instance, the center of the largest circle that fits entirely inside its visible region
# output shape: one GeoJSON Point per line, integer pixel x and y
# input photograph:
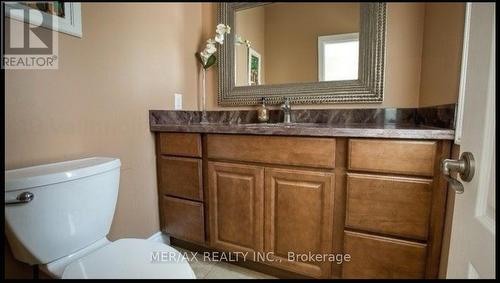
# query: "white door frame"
{"type": "Point", "coordinates": [472, 246]}
{"type": "Point", "coordinates": [463, 76]}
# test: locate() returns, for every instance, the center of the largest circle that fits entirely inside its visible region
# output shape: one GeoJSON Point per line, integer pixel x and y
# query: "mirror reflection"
{"type": "Point", "coordinates": [282, 43]}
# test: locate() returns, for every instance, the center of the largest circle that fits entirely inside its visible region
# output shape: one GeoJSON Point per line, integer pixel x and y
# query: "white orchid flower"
{"type": "Point", "coordinates": [239, 40]}
{"type": "Point", "coordinates": [210, 48]}
{"type": "Point", "coordinates": [204, 57]}
{"type": "Point", "coordinates": [208, 51]}
{"type": "Point", "coordinates": [219, 38]}
{"type": "Point", "coordinates": [220, 28]}
{"type": "Point", "coordinates": [223, 29]}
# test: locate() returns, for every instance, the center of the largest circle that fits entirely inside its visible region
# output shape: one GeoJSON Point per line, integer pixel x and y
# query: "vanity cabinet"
{"type": "Point", "coordinates": [381, 201]}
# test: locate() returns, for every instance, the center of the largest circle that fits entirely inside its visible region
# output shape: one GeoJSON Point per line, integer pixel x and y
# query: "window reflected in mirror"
{"type": "Point", "coordinates": [338, 57]}
{"type": "Point", "coordinates": [281, 43]}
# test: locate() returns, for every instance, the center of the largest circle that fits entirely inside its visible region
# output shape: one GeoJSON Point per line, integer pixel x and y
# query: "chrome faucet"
{"type": "Point", "coordinates": [286, 110]}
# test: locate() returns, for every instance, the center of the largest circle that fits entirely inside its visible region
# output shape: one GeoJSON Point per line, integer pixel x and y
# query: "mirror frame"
{"type": "Point", "coordinates": [368, 88]}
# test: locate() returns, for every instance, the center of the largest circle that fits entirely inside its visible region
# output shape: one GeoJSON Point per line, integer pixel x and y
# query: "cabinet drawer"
{"type": "Point", "coordinates": [392, 156]}
{"type": "Point", "coordinates": [181, 177]}
{"type": "Point", "coordinates": [180, 144]}
{"type": "Point", "coordinates": [389, 205]}
{"type": "Point", "coordinates": [184, 219]}
{"type": "Point", "coordinates": [299, 151]}
{"type": "Point", "coordinates": [375, 257]}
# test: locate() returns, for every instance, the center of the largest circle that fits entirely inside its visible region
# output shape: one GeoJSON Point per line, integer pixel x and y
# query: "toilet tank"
{"type": "Point", "coordinates": [73, 207]}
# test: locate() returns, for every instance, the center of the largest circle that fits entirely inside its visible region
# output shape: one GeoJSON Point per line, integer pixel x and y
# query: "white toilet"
{"type": "Point", "coordinates": [58, 215]}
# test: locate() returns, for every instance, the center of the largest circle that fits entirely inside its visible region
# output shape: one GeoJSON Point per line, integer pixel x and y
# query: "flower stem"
{"type": "Point", "coordinates": [203, 98]}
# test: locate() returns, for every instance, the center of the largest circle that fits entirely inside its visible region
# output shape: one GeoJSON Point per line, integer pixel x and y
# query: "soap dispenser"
{"type": "Point", "coordinates": [263, 112]}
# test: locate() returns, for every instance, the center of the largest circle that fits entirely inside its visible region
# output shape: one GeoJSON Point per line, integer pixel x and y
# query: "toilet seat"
{"type": "Point", "coordinates": [131, 258]}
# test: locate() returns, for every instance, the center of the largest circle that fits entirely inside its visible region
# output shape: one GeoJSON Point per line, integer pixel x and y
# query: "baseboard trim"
{"type": "Point", "coordinates": [160, 237]}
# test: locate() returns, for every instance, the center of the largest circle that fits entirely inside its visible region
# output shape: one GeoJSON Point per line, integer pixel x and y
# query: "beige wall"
{"type": "Point", "coordinates": [292, 31]}
{"type": "Point", "coordinates": [250, 24]}
{"type": "Point", "coordinates": [132, 58]}
{"type": "Point", "coordinates": [442, 53]}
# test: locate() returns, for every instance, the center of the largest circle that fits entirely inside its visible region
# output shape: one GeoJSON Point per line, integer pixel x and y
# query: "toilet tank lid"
{"type": "Point", "coordinates": [47, 174]}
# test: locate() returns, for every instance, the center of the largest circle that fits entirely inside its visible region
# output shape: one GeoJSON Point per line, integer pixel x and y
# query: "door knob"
{"type": "Point", "coordinates": [463, 166]}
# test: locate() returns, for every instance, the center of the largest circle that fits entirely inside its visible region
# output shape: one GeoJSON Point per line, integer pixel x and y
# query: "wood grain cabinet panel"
{"type": "Point", "coordinates": [181, 177]}
{"type": "Point", "coordinates": [389, 205]}
{"type": "Point", "coordinates": [299, 218]}
{"type": "Point", "coordinates": [236, 195]}
{"type": "Point", "coordinates": [392, 156]}
{"type": "Point", "coordinates": [184, 219]}
{"type": "Point", "coordinates": [298, 151]}
{"type": "Point", "coordinates": [180, 144]}
{"type": "Point", "coordinates": [375, 257]}
{"type": "Point", "coordinates": [261, 197]}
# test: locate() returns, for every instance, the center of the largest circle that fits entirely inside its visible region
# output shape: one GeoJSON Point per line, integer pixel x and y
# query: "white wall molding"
{"type": "Point", "coordinates": [160, 237]}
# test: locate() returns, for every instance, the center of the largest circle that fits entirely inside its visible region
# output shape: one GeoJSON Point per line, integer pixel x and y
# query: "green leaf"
{"type": "Point", "coordinates": [211, 60]}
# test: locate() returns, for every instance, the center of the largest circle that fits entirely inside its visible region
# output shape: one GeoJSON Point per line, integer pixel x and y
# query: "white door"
{"type": "Point", "coordinates": [472, 247]}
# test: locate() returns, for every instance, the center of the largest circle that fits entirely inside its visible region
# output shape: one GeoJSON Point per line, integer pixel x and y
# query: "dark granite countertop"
{"type": "Point", "coordinates": [316, 130]}
{"type": "Point", "coordinates": [408, 123]}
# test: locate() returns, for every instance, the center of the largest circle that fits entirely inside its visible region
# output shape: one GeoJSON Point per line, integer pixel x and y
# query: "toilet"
{"type": "Point", "coordinates": [57, 216]}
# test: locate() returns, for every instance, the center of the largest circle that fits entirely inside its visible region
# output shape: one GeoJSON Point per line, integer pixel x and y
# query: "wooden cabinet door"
{"type": "Point", "coordinates": [236, 195]}
{"type": "Point", "coordinates": [299, 219]}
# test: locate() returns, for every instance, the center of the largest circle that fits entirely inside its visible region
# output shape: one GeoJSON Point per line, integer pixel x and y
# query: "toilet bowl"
{"type": "Point", "coordinates": [130, 259]}
{"type": "Point", "coordinates": [58, 216]}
